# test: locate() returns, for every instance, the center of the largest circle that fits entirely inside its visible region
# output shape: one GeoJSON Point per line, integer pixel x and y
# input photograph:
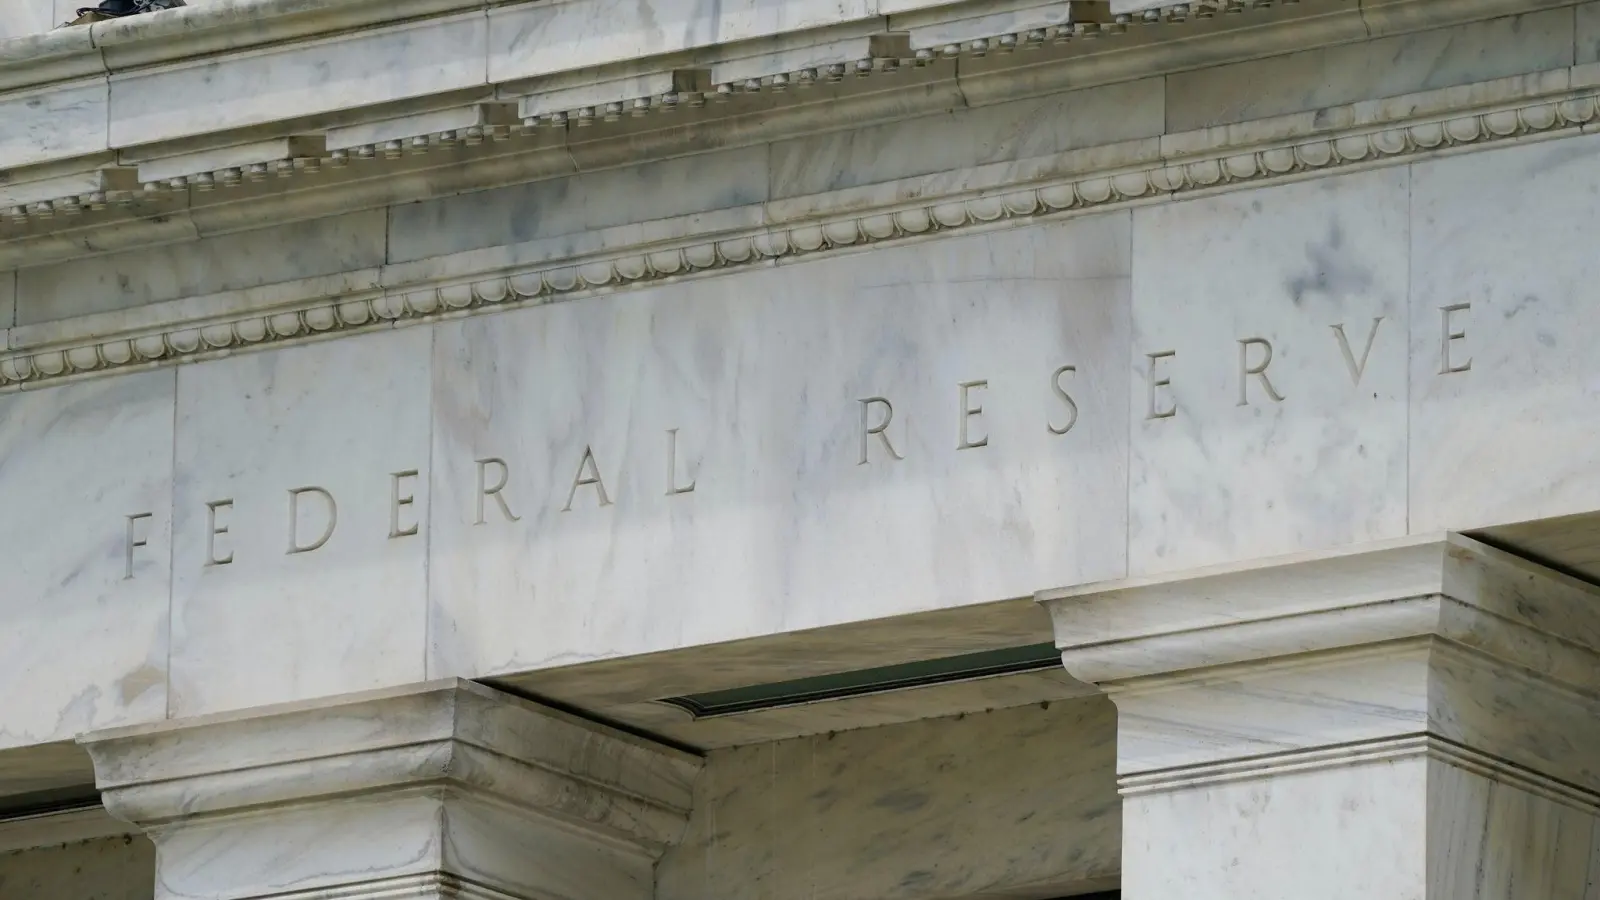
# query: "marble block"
{"type": "Point", "coordinates": [960, 138]}
{"type": "Point", "coordinates": [296, 79]}
{"type": "Point", "coordinates": [781, 450]}
{"type": "Point", "coordinates": [49, 123]}
{"type": "Point", "coordinates": [1505, 383]}
{"type": "Point", "coordinates": [1018, 802]}
{"type": "Point", "coordinates": [576, 204]}
{"type": "Point", "coordinates": [86, 477]}
{"type": "Point", "coordinates": [532, 39]}
{"type": "Point", "coordinates": [1305, 285]}
{"type": "Point", "coordinates": [314, 459]}
{"type": "Point", "coordinates": [211, 265]}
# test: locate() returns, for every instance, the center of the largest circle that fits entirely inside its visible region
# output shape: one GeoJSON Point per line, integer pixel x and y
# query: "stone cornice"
{"type": "Point", "coordinates": [450, 735]}
{"type": "Point", "coordinates": [1077, 183]}
{"type": "Point", "coordinates": [149, 168]}
{"type": "Point", "coordinates": [1211, 624]}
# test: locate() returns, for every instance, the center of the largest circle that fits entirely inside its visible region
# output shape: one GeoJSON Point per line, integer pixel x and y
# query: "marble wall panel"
{"type": "Point", "coordinates": [1586, 27]}
{"type": "Point", "coordinates": [113, 868]}
{"type": "Point", "coordinates": [84, 601]}
{"type": "Point", "coordinates": [541, 38]}
{"type": "Point", "coordinates": [257, 617]}
{"type": "Point", "coordinates": [966, 137]}
{"type": "Point", "coordinates": [1504, 417]}
{"type": "Point", "coordinates": [61, 120]}
{"type": "Point", "coordinates": [1309, 454]}
{"type": "Point", "coordinates": [210, 265]}
{"type": "Point", "coordinates": [594, 200]}
{"type": "Point", "coordinates": [1019, 802]}
{"type": "Point", "coordinates": [1386, 67]}
{"type": "Point", "coordinates": [1328, 834]}
{"type": "Point", "coordinates": [752, 388]}
{"type": "Point", "coordinates": [298, 79]}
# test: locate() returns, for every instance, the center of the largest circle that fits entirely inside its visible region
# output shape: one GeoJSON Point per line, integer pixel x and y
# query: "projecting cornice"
{"type": "Point", "coordinates": [1001, 195]}
{"type": "Point", "coordinates": [127, 122]}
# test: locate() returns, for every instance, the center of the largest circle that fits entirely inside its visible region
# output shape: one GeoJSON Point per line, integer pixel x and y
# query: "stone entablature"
{"type": "Point", "coordinates": [107, 155]}
{"type": "Point", "coordinates": [1364, 135]}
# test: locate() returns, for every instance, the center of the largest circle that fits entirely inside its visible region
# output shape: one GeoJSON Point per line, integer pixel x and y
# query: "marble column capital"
{"type": "Point", "coordinates": [447, 788]}
{"type": "Point", "coordinates": [1325, 660]}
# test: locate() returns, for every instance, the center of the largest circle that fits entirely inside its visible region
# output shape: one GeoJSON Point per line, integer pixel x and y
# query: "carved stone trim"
{"type": "Point", "coordinates": [1220, 169]}
{"type": "Point", "coordinates": [1365, 753]}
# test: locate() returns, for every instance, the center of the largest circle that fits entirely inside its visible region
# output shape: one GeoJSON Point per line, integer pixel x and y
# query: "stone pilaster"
{"type": "Point", "coordinates": [446, 789]}
{"type": "Point", "coordinates": [1417, 721]}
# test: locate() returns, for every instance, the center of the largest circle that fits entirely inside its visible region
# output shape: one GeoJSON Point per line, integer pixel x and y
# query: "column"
{"type": "Point", "coordinates": [1415, 721]}
{"type": "Point", "coordinates": [446, 789]}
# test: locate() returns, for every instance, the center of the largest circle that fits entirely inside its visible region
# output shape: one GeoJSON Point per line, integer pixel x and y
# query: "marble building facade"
{"type": "Point", "coordinates": [797, 450]}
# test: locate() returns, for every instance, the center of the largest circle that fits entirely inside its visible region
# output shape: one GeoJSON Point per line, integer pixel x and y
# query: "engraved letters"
{"type": "Point", "coordinates": [1153, 409]}
{"type": "Point", "coordinates": [134, 540]}
{"type": "Point", "coordinates": [1072, 405]}
{"type": "Point", "coordinates": [868, 430]}
{"type": "Point", "coordinates": [213, 529]}
{"type": "Point", "coordinates": [1259, 369]}
{"type": "Point", "coordinates": [1447, 337]}
{"type": "Point", "coordinates": [589, 466]}
{"type": "Point", "coordinates": [332, 517]}
{"type": "Point", "coordinates": [1357, 369]}
{"type": "Point", "coordinates": [672, 466]}
{"type": "Point", "coordinates": [396, 501]}
{"type": "Point", "coordinates": [968, 413]}
{"type": "Point", "coordinates": [487, 490]}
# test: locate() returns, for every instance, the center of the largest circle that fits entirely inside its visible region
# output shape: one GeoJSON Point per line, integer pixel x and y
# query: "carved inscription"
{"type": "Point", "coordinates": [1357, 368]}
{"type": "Point", "coordinates": [136, 538]}
{"type": "Point", "coordinates": [588, 474]}
{"type": "Point", "coordinates": [969, 411]}
{"type": "Point", "coordinates": [1451, 331]}
{"type": "Point", "coordinates": [313, 511]}
{"type": "Point", "coordinates": [331, 519]}
{"type": "Point", "coordinates": [402, 494]}
{"type": "Point", "coordinates": [673, 487]}
{"type": "Point", "coordinates": [488, 491]}
{"type": "Point", "coordinates": [1066, 398]}
{"type": "Point", "coordinates": [1159, 407]}
{"type": "Point", "coordinates": [213, 529]}
{"type": "Point", "coordinates": [1257, 369]}
{"type": "Point", "coordinates": [868, 430]}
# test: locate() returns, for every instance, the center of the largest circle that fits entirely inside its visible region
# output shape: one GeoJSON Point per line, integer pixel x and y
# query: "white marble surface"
{"type": "Point", "coordinates": [1411, 827]}
{"type": "Point", "coordinates": [965, 137]}
{"type": "Point", "coordinates": [378, 65]}
{"type": "Point", "coordinates": [762, 376]}
{"type": "Point", "coordinates": [1385, 67]}
{"type": "Point", "coordinates": [271, 625]}
{"type": "Point", "coordinates": [1217, 281]}
{"type": "Point", "coordinates": [1331, 834]}
{"type": "Point", "coordinates": [542, 38]}
{"type": "Point", "coordinates": [113, 868]}
{"type": "Point", "coordinates": [1512, 437]}
{"type": "Point", "coordinates": [310, 797]}
{"type": "Point", "coordinates": [212, 265]}
{"type": "Point", "coordinates": [993, 804]}
{"type": "Point", "coordinates": [84, 646]}
{"type": "Point", "coordinates": [581, 203]}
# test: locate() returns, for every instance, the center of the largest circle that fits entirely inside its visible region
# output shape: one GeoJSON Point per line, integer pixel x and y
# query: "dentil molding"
{"type": "Point", "coordinates": [1120, 176]}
